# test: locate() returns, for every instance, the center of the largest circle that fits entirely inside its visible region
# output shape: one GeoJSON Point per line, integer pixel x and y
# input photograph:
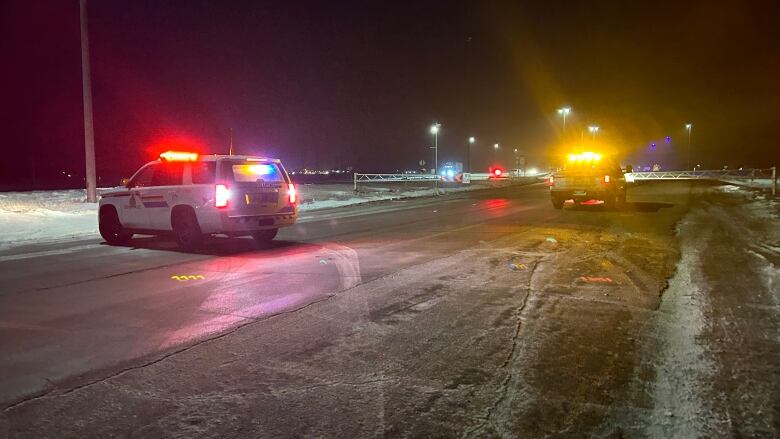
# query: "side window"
{"type": "Point", "coordinates": [204, 172]}
{"type": "Point", "coordinates": [168, 174]}
{"type": "Point", "coordinates": [144, 177]}
{"type": "Point", "coordinates": [226, 170]}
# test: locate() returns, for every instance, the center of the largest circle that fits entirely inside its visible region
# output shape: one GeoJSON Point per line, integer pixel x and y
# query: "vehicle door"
{"type": "Point", "coordinates": [133, 213]}
{"type": "Point", "coordinates": [163, 194]}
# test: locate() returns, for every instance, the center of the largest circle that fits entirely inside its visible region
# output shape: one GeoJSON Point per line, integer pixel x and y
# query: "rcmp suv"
{"type": "Point", "coordinates": [191, 196]}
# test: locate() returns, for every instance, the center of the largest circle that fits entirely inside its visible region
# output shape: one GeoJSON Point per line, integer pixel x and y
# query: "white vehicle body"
{"type": "Point", "coordinates": [230, 195]}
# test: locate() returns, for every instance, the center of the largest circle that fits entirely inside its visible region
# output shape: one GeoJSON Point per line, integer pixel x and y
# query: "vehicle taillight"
{"type": "Point", "coordinates": [551, 181]}
{"type": "Point", "coordinates": [292, 193]}
{"type": "Point", "coordinates": [497, 172]}
{"type": "Point", "coordinates": [221, 195]}
{"type": "Point", "coordinates": [606, 179]}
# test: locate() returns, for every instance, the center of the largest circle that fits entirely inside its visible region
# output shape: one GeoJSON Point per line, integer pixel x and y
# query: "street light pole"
{"type": "Point", "coordinates": [689, 127]}
{"type": "Point", "coordinates": [435, 131]}
{"type": "Point", "coordinates": [468, 153]}
{"type": "Point", "coordinates": [564, 112]}
{"type": "Point", "coordinates": [593, 130]}
{"type": "Point", "coordinates": [89, 132]}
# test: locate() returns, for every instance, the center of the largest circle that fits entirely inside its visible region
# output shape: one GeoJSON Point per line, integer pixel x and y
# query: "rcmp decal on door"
{"type": "Point", "coordinates": [154, 201]}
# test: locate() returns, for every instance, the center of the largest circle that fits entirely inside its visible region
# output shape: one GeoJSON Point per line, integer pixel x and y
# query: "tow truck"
{"type": "Point", "coordinates": [588, 177]}
{"type": "Point", "coordinates": [192, 195]}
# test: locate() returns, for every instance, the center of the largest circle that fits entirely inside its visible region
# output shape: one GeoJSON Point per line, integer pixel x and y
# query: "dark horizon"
{"type": "Point", "coordinates": [350, 84]}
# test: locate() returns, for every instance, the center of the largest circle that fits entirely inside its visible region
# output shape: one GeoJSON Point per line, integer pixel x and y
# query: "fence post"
{"type": "Point", "coordinates": [774, 180]}
{"type": "Point", "coordinates": [354, 178]}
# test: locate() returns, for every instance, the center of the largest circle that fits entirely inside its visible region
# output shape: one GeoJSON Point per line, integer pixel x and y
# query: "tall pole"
{"type": "Point", "coordinates": [89, 132]}
{"type": "Point", "coordinates": [689, 127]}
{"type": "Point", "coordinates": [435, 132]}
{"type": "Point", "coordinates": [468, 153]}
{"type": "Point", "coordinates": [436, 151]}
{"type": "Point", "coordinates": [564, 112]}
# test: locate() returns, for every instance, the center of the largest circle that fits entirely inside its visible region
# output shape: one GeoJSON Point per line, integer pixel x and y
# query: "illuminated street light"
{"type": "Point", "coordinates": [564, 112]}
{"type": "Point", "coordinates": [495, 146]}
{"type": "Point", "coordinates": [435, 131]}
{"type": "Point", "coordinates": [689, 127]}
{"type": "Point", "coordinates": [472, 139]}
{"type": "Point", "coordinates": [593, 130]}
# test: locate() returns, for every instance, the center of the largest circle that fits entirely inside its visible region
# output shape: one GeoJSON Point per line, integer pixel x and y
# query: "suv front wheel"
{"type": "Point", "coordinates": [111, 228]}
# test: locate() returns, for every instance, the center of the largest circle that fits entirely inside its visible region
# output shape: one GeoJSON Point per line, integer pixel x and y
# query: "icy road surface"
{"type": "Point", "coordinates": [485, 315]}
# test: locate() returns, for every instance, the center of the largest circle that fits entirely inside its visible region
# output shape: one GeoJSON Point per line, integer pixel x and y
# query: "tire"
{"type": "Point", "coordinates": [611, 202]}
{"type": "Point", "coordinates": [111, 228]}
{"type": "Point", "coordinates": [557, 202]}
{"type": "Point", "coordinates": [187, 230]}
{"type": "Point", "coordinates": [264, 237]}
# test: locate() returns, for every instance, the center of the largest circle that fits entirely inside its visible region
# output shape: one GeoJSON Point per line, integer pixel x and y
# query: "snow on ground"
{"type": "Point", "coordinates": [41, 216]}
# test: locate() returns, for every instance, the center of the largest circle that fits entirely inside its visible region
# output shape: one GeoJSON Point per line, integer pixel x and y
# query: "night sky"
{"type": "Point", "coordinates": [336, 84]}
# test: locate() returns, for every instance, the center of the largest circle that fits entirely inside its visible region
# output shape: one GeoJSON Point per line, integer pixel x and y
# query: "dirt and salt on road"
{"type": "Point", "coordinates": [513, 320]}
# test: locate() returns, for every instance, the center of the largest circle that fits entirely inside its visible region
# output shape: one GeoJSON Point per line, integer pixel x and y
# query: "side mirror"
{"type": "Point", "coordinates": [629, 169]}
{"type": "Point", "coordinates": [124, 182]}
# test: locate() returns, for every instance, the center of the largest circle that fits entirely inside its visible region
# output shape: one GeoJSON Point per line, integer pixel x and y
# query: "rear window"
{"type": "Point", "coordinates": [250, 172]}
{"type": "Point", "coordinates": [204, 172]}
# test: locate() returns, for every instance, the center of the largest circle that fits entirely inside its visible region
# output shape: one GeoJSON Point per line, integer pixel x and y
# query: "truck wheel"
{"type": "Point", "coordinates": [610, 202]}
{"type": "Point", "coordinates": [264, 237]}
{"type": "Point", "coordinates": [111, 229]}
{"type": "Point", "coordinates": [558, 202]}
{"type": "Point", "coordinates": [187, 231]}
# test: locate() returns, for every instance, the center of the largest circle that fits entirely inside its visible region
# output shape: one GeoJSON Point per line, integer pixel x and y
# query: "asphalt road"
{"type": "Point", "coordinates": [481, 314]}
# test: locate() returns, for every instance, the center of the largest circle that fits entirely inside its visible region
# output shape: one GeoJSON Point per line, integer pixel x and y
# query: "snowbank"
{"type": "Point", "coordinates": [42, 216]}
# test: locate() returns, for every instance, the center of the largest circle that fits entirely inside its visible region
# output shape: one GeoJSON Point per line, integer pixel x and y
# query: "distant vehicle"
{"type": "Point", "coordinates": [588, 176]}
{"type": "Point", "coordinates": [451, 171]}
{"type": "Point", "coordinates": [497, 172]}
{"type": "Point", "coordinates": [194, 195]}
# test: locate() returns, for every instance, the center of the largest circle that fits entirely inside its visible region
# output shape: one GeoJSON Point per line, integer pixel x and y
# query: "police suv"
{"type": "Point", "coordinates": [194, 195]}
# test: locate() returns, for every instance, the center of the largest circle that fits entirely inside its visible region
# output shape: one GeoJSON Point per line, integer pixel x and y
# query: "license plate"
{"type": "Point", "coordinates": [581, 181]}
{"type": "Point", "coordinates": [261, 198]}
{"type": "Point", "coordinates": [579, 192]}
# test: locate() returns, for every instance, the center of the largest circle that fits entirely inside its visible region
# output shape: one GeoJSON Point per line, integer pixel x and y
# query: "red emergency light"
{"type": "Point", "coordinates": [496, 172]}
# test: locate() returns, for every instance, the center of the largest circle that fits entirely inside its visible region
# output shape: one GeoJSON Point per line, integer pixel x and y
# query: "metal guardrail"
{"type": "Point", "coordinates": [740, 176]}
{"type": "Point", "coordinates": [393, 178]}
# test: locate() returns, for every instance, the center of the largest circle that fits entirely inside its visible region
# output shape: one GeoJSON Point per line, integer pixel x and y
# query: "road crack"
{"type": "Point", "coordinates": [486, 420]}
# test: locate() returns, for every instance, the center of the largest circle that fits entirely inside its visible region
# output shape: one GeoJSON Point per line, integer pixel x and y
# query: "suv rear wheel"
{"type": "Point", "coordinates": [187, 231]}
{"type": "Point", "coordinates": [557, 202]}
{"type": "Point", "coordinates": [264, 237]}
{"type": "Point", "coordinates": [111, 229]}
